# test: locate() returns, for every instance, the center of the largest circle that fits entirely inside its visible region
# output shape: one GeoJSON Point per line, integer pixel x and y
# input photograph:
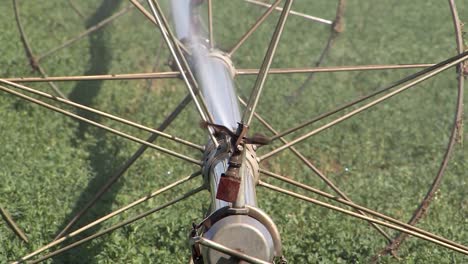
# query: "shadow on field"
{"type": "Point", "coordinates": [101, 154]}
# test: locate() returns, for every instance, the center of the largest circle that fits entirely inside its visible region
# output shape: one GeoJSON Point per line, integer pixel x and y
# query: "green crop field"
{"type": "Point", "coordinates": [384, 158]}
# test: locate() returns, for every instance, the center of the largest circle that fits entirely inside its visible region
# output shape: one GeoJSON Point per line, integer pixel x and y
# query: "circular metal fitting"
{"type": "Point", "coordinates": [223, 57]}
{"type": "Point", "coordinates": [241, 233]}
{"type": "Point", "coordinates": [248, 230]}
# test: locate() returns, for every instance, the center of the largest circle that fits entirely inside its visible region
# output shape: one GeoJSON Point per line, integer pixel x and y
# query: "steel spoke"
{"type": "Point", "coordinates": [108, 129]}
{"type": "Point", "coordinates": [226, 250]}
{"type": "Point", "coordinates": [356, 101]}
{"type": "Point", "coordinates": [361, 208]}
{"type": "Point", "coordinates": [33, 61]}
{"type": "Point", "coordinates": [169, 119]}
{"type": "Point", "coordinates": [335, 30]}
{"type": "Point", "coordinates": [122, 224]}
{"type": "Point", "coordinates": [104, 114]}
{"type": "Point", "coordinates": [124, 76]}
{"type": "Point", "coordinates": [110, 215]}
{"type": "Point", "coordinates": [182, 65]}
{"type": "Point", "coordinates": [449, 63]}
{"type": "Point", "coordinates": [11, 223]}
{"type": "Point", "coordinates": [334, 69]}
{"type": "Point", "coordinates": [148, 15]}
{"type": "Point", "coordinates": [145, 12]}
{"type": "Point", "coordinates": [261, 78]}
{"type": "Point", "coordinates": [315, 170]}
{"type": "Point", "coordinates": [356, 215]}
{"type": "Point", "coordinates": [313, 18]}
{"type": "Point", "coordinates": [51, 84]}
{"type": "Point", "coordinates": [253, 28]}
{"type": "Point", "coordinates": [454, 137]}
{"type": "Point", "coordinates": [157, 63]}
{"type": "Point", "coordinates": [75, 8]}
{"type": "Point", "coordinates": [85, 33]}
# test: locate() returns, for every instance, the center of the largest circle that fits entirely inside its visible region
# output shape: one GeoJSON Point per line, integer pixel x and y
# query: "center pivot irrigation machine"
{"type": "Point", "coordinates": [263, 50]}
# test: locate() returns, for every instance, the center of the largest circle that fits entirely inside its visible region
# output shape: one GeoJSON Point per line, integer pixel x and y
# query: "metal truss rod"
{"type": "Point", "coordinates": [108, 129]}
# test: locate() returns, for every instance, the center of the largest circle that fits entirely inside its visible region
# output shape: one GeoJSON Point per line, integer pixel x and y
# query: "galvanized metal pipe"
{"type": "Point", "coordinates": [214, 77]}
{"type": "Point", "coordinates": [214, 74]}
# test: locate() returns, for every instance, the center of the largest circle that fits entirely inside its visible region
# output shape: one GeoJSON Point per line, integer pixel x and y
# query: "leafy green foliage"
{"type": "Point", "coordinates": [385, 158]}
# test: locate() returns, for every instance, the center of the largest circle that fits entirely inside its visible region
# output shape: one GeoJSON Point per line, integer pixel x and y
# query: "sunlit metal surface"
{"type": "Point", "coordinates": [214, 73]}
{"type": "Point", "coordinates": [215, 80]}
{"type": "Point", "coordinates": [235, 232]}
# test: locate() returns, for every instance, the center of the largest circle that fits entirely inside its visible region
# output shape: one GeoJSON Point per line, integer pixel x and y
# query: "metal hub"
{"type": "Point", "coordinates": [241, 233]}
{"type": "Point", "coordinates": [246, 231]}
